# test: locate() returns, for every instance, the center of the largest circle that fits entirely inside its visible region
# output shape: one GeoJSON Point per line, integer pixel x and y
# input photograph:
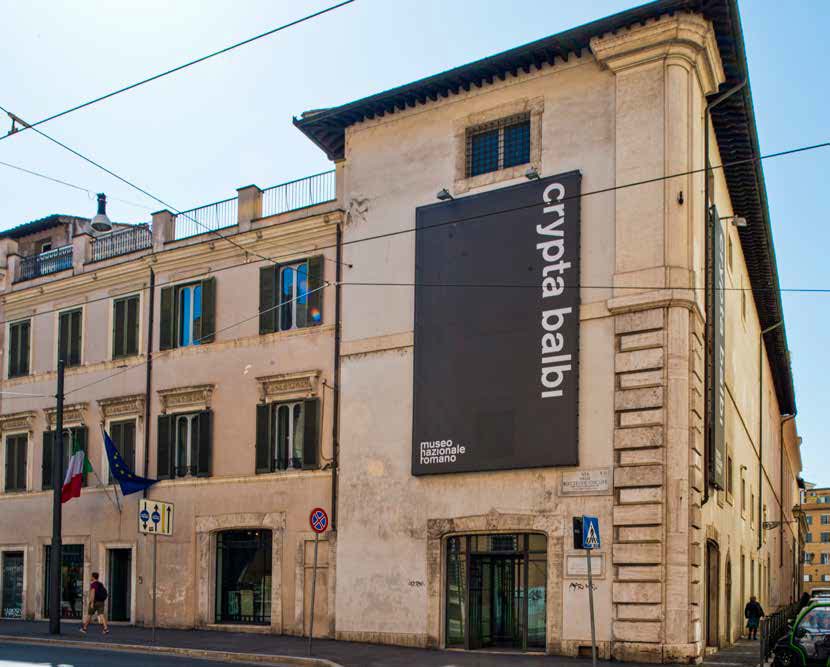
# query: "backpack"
{"type": "Point", "coordinates": [101, 594]}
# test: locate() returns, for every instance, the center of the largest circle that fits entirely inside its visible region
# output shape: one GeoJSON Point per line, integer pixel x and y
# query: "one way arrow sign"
{"type": "Point", "coordinates": [155, 517]}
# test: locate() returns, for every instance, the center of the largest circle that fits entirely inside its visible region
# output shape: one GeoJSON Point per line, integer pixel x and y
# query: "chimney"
{"type": "Point", "coordinates": [101, 223]}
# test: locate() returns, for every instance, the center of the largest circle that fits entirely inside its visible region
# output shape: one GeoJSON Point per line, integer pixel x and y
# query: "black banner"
{"type": "Point", "coordinates": [496, 376]}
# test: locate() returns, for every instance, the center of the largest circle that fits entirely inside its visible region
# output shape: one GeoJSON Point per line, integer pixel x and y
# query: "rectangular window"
{"type": "Point", "coordinates": [123, 437]}
{"type": "Point", "coordinates": [498, 145]}
{"type": "Point", "coordinates": [184, 445]}
{"type": "Point", "coordinates": [806, 577]}
{"type": "Point", "coordinates": [825, 559]}
{"type": "Point", "coordinates": [19, 346]}
{"type": "Point", "coordinates": [291, 296]}
{"type": "Point", "coordinates": [74, 436]}
{"type": "Point", "coordinates": [45, 245]}
{"type": "Point", "coordinates": [743, 493]}
{"type": "Point", "coordinates": [808, 537]}
{"type": "Point", "coordinates": [752, 509]}
{"type": "Point", "coordinates": [288, 435]}
{"type": "Point", "coordinates": [825, 537]}
{"type": "Point", "coordinates": [729, 476]}
{"type": "Point", "coordinates": [809, 520]}
{"type": "Point", "coordinates": [125, 327]}
{"type": "Point", "coordinates": [16, 449]}
{"type": "Point", "coordinates": [188, 314]}
{"type": "Point", "coordinates": [70, 337]}
{"type": "Point", "coordinates": [808, 557]}
{"type": "Point", "coordinates": [825, 519]}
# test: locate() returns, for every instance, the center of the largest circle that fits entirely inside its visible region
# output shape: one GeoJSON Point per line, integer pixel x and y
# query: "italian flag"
{"type": "Point", "coordinates": [78, 466]}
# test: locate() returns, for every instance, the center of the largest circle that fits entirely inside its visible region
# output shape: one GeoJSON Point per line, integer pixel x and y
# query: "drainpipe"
{"type": "Point", "coordinates": [708, 292]}
{"type": "Point", "coordinates": [335, 428]}
{"type": "Point", "coordinates": [763, 333]}
{"type": "Point", "coordinates": [784, 420]}
{"type": "Point", "coordinates": [149, 374]}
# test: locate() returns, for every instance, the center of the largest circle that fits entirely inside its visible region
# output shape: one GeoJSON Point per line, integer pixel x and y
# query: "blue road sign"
{"type": "Point", "coordinates": [590, 532]}
{"type": "Point", "coordinates": [156, 517]}
{"type": "Point", "coordinates": [144, 515]}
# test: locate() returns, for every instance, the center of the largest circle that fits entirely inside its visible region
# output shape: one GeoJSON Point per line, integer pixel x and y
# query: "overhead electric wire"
{"type": "Point", "coordinates": [408, 230]}
{"type": "Point", "coordinates": [88, 191]}
{"type": "Point", "coordinates": [172, 70]}
{"type": "Point", "coordinates": [155, 356]}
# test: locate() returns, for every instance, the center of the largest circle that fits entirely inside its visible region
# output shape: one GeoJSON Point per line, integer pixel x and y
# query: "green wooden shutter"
{"type": "Point", "coordinates": [10, 464]}
{"type": "Point", "coordinates": [128, 451]}
{"type": "Point", "coordinates": [20, 464]}
{"type": "Point", "coordinates": [311, 433]}
{"type": "Point", "coordinates": [131, 338]}
{"type": "Point", "coordinates": [63, 337]}
{"type": "Point", "coordinates": [264, 448]}
{"type": "Point", "coordinates": [167, 326]}
{"type": "Point", "coordinates": [203, 445]}
{"type": "Point", "coordinates": [75, 338]}
{"type": "Point", "coordinates": [14, 350]}
{"type": "Point", "coordinates": [208, 310]}
{"type": "Point", "coordinates": [118, 323]}
{"type": "Point", "coordinates": [268, 312]}
{"type": "Point", "coordinates": [48, 459]}
{"type": "Point", "coordinates": [25, 338]}
{"type": "Point", "coordinates": [315, 298]}
{"type": "Point", "coordinates": [164, 439]}
{"type": "Point", "coordinates": [116, 434]}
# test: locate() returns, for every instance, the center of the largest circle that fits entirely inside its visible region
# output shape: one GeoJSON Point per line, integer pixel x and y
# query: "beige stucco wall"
{"type": "Point", "coordinates": [233, 497]}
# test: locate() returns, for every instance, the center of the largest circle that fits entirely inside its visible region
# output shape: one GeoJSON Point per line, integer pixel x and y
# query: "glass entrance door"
{"type": "Point", "coordinates": [243, 576]}
{"type": "Point", "coordinates": [496, 591]}
{"type": "Point", "coordinates": [119, 573]}
{"type": "Point", "coordinates": [12, 585]}
{"type": "Point", "coordinates": [71, 583]}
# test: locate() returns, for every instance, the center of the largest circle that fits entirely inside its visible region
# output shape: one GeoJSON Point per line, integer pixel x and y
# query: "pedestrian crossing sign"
{"type": "Point", "coordinates": [590, 532]}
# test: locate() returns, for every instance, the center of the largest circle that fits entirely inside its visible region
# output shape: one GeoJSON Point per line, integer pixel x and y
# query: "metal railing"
{"type": "Point", "coordinates": [302, 193]}
{"type": "Point", "coordinates": [773, 627]}
{"type": "Point", "coordinates": [45, 263]}
{"type": "Point", "coordinates": [122, 242]}
{"type": "Point", "coordinates": [206, 219]}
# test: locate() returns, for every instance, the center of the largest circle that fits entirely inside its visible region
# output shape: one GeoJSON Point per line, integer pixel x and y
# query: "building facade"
{"type": "Point", "coordinates": [816, 507]}
{"type": "Point", "coordinates": [585, 128]}
{"type": "Point", "coordinates": [165, 351]}
{"type": "Point", "coordinates": [481, 368]}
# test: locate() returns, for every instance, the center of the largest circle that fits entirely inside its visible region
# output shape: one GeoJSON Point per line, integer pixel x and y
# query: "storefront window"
{"type": "Point", "coordinates": [72, 580]}
{"type": "Point", "coordinates": [12, 584]}
{"type": "Point", "coordinates": [243, 576]}
{"type": "Point", "coordinates": [496, 591]}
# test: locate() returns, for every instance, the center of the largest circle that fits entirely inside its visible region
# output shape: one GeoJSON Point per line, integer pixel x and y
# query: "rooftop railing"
{"type": "Point", "coordinates": [122, 242]}
{"type": "Point", "coordinates": [44, 263]}
{"type": "Point", "coordinates": [302, 193]}
{"type": "Point", "coordinates": [205, 219]}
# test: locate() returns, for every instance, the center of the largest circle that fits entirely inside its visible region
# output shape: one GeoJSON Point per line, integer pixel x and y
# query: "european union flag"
{"type": "Point", "coordinates": [127, 480]}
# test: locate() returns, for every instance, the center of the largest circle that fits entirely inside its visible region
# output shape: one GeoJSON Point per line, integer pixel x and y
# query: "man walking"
{"type": "Point", "coordinates": [97, 604]}
{"type": "Point", "coordinates": [754, 612]}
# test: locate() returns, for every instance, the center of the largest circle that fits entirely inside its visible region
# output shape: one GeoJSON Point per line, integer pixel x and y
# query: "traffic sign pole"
{"type": "Point", "coordinates": [313, 591]}
{"type": "Point", "coordinates": [591, 609]}
{"type": "Point", "coordinates": [155, 566]}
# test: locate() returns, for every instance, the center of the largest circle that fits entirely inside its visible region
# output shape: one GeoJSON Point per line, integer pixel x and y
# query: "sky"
{"type": "Point", "coordinates": [195, 136]}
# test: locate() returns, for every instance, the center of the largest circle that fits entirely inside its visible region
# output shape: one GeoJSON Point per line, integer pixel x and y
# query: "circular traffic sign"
{"type": "Point", "coordinates": [145, 516]}
{"type": "Point", "coordinates": [319, 520]}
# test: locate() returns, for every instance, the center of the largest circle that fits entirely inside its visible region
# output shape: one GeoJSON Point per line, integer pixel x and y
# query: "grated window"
{"type": "Point", "coordinates": [498, 145]}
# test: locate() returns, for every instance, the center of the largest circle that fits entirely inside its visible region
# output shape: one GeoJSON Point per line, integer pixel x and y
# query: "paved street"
{"type": "Point", "coordinates": [21, 655]}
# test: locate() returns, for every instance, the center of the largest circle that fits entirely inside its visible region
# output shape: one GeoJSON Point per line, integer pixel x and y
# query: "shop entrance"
{"type": "Point", "coordinates": [119, 573]}
{"type": "Point", "coordinates": [496, 591]}
{"type": "Point", "coordinates": [243, 576]}
{"type": "Point", "coordinates": [12, 585]}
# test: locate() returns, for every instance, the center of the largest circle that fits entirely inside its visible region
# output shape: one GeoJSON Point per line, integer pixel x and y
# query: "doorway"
{"type": "Point", "coordinates": [119, 586]}
{"type": "Point", "coordinates": [712, 593]}
{"type": "Point", "coordinates": [243, 576]}
{"type": "Point", "coordinates": [12, 585]}
{"type": "Point", "coordinates": [496, 591]}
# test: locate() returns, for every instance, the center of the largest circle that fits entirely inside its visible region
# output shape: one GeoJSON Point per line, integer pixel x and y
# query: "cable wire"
{"type": "Point", "coordinates": [70, 185]}
{"type": "Point", "coordinates": [408, 230]}
{"type": "Point", "coordinates": [172, 70]}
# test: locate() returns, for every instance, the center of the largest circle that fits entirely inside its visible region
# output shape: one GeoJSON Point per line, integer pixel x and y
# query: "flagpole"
{"type": "Point", "coordinates": [57, 484]}
{"type": "Point", "coordinates": [100, 481]}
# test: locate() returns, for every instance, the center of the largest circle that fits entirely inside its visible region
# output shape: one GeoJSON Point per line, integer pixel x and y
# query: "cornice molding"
{"type": "Point", "coordinates": [17, 421]}
{"type": "Point", "coordinates": [689, 37]}
{"type": "Point", "coordinates": [288, 386]}
{"type": "Point", "coordinates": [192, 398]}
{"type": "Point", "coordinates": [122, 406]}
{"type": "Point", "coordinates": [72, 414]}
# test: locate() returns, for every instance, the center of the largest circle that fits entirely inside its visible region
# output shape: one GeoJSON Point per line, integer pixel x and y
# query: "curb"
{"type": "Point", "coordinates": [204, 654]}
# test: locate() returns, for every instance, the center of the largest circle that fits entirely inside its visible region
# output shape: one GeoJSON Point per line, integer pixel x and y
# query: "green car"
{"type": "Point", "coordinates": [807, 643]}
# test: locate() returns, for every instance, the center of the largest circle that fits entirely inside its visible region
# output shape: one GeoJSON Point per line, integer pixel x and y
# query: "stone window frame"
{"type": "Point", "coordinates": [439, 529]}
{"type": "Point", "coordinates": [533, 106]}
{"type": "Point", "coordinates": [286, 387]}
{"type": "Point", "coordinates": [18, 423]}
{"type": "Point", "coordinates": [207, 528]}
{"type": "Point", "coordinates": [40, 567]}
{"type": "Point", "coordinates": [193, 398]}
{"type": "Point", "coordinates": [123, 408]}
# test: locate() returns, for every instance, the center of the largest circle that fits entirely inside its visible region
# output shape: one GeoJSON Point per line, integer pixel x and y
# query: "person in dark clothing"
{"type": "Point", "coordinates": [803, 601]}
{"type": "Point", "coordinates": [754, 612]}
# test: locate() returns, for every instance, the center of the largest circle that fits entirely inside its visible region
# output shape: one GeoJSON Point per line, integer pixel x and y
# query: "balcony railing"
{"type": "Point", "coordinates": [303, 192]}
{"type": "Point", "coordinates": [45, 263]}
{"type": "Point", "coordinates": [205, 219]}
{"type": "Point", "coordinates": [122, 242]}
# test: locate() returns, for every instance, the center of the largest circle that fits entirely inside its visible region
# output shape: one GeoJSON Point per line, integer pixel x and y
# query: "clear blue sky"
{"type": "Point", "coordinates": [194, 137]}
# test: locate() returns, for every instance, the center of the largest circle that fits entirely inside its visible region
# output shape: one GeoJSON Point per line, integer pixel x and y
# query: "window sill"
{"type": "Point", "coordinates": [466, 184]}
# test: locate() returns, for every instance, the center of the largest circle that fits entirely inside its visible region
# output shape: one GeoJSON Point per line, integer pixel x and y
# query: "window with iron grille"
{"type": "Point", "coordinates": [498, 145]}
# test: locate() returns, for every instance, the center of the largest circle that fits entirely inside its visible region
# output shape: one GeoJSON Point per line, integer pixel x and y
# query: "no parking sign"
{"type": "Point", "coordinates": [319, 520]}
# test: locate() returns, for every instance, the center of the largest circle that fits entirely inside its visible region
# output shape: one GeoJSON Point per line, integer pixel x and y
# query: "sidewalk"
{"type": "Point", "coordinates": [347, 654]}
{"type": "Point", "coordinates": [744, 653]}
